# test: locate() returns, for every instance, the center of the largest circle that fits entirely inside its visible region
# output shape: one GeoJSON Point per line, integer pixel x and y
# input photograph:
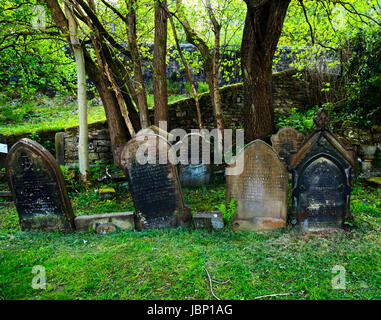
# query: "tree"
{"type": "Point", "coordinates": [262, 31]}
{"type": "Point", "coordinates": [96, 71]}
{"type": "Point", "coordinates": [263, 27]}
{"type": "Point", "coordinates": [159, 64]}
{"type": "Point", "coordinates": [83, 148]}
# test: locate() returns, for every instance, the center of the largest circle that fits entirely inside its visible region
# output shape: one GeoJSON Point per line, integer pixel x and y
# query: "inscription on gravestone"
{"type": "Point", "coordinates": [285, 141]}
{"type": "Point", "coordinates": [321, 171]}
{"type": "Point", "coordinates": [154, 185]}
{"type": "Point", "coordinates": [38, 188]}
{"type": "Point", "coordinates": [260, 190]}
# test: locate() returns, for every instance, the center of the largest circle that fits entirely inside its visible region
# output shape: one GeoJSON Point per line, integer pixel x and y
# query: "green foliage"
{"type": "Point", "coordinates": [228, 212]}
{"type": "Point", "coordinates": [301, 120]}
{"type": "Point", "coordinates": [31, 61]}
{"type": "Point", "coordinates": [363, 79]}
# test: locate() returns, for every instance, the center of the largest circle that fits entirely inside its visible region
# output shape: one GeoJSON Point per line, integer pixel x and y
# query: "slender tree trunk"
{"type": "Point", "coordinates": [263, 26]}
{"type": "Point", "coordinates": [137, 65]}
{"type": "Point", "coordinates": [83, 147]}
{"type": "Point", "coordinates": [189, 75]}
{"type": "Point", "coordinates": [159, 64]}
{"type": "Point", "coordinates": [210, 63]}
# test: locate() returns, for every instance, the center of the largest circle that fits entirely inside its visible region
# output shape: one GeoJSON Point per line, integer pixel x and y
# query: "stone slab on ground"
{"type": "Point", "coordinates": [121, 220]}
{"type": "Point", "coordinates": [208, 220]}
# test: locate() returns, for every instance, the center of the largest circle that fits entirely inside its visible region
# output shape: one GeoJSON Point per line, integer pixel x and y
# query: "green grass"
{"type": "Point", "coordinates": [45, 113]}
{"type": "Point", "coordinates": [170, 264]}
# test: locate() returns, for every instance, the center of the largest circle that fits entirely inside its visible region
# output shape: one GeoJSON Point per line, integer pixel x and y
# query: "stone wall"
{"type": "Point", "coordinates": [288, 91]}
{"type": "Point", "coordinates": [66, 145]}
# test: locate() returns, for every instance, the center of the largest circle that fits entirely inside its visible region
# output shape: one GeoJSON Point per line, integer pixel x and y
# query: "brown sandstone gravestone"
{"type": "Point", "coordinates": [285, 141]}
{"type": "Point", "coordinates": [321, 173]}
{"type": "Point", "coordinates": [260, 190]}
{"type": "Point", "coordinates": [38, 188]}
{"type": "Point", "coordinates": [154, 185]}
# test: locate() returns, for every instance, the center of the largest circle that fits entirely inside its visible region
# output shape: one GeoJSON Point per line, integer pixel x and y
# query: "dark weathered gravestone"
{"type": "Point", "coordinates": [321, 172]}
{"type": "Point", "coordinates": [194, 167]}
{"type": "Point", "coordinates": [154, 183]}
{"type": "Point", "coordinates": [38, 188]}
{"type": "Point", "coordinates": [285, 141]}
{"type": "Point", "coordinates": [260, 191]}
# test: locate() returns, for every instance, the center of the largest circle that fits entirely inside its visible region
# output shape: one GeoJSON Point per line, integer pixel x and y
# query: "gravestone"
{"type": "Point", "coordinates": [154, 185]}
{"type": "Point", "coordinates": [260, 191]}
{"type": "Point", "coordinates": [321, 173]}
{"type": "Point", "coordinates": [38, 188]}
{"type": "Point", "coordinates": [285, 141]}
{"type": "Point", "coordinates": [191, 150]}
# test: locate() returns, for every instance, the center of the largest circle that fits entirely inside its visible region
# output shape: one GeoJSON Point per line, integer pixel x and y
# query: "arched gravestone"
{"type": "Point", "coordinates": [285, 141]}
{"type": "Point", "coordinates": [38, 188]}
{"type": "Point", "coordinates": [193, 151]}
{"type": "Point", "coordinates": [260, 190]}
{"type": "Point", "coordinates": [321, 173]}
{"type": "Point", "coordinates": [154, 186]}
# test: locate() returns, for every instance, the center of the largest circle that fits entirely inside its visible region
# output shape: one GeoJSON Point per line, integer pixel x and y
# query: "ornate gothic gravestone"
{"type": "Point", "coordinates": [38, 188]}
{"type": "Point", "coordinates": [321, 172]}
{"type": "Point", "coordinates": [285, 141]}
{"type": "Point", "coordinates": [260, 190]}
{"type": "Point", "coordinates": [194, 154]}
{"type": "Point", "coordinates": [154, 186]}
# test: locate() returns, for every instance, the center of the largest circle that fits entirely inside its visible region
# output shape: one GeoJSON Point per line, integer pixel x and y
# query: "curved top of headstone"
{"type": "Point", "coordinates": [133, 144]}
{"type": "Point", "coordinates": [44, 154]}
{"type": "Point", "coordinates": [154, 130]}
{"type": "Point", "coordinates": [286, 141]}
{"type": "Point", "coordinates": [259, 145]}
{"type": "Point", "coordinates": [28, 159]}
{"type": "Point", "coordinates": [286, 131]}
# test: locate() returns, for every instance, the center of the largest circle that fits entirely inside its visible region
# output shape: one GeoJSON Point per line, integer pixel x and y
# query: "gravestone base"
{"type": "Point", "coordinates": [121, 220]}
{"type": "Point", "coordinates": [208, 220]}
{"type": "Point", "coordinates": [321, 225]}
{"type": "Point", "coordinates": [172, 220]}
{"type": "Point", "coordinates": [45, 222]}
{"type": "Point", "coordinates": [258, 224]}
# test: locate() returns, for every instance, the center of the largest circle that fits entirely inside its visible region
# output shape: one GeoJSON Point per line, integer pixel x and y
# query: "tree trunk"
{"type": "Point", "coordinates": [189, 75]}
{"type": "Point", "coordinates": [83, 147]}
{"type": "Point", "coordinates": [263, 26]}
{"type": "Point", "coordinates": [118, 132]}
{"type": "Point", "coordinates": [137, 65]}
{"type": "Point", "coordinates": [159, 65]}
